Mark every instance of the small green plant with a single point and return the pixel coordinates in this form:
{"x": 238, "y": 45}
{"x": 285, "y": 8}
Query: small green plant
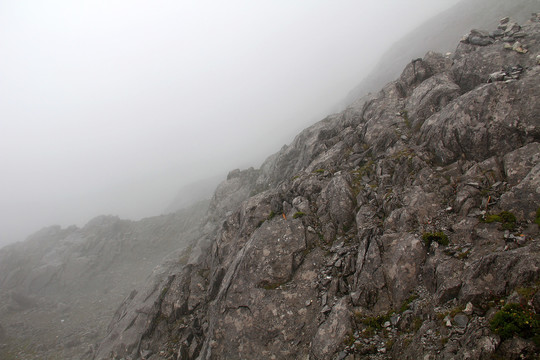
{"x": 515, "y": 319}
{"x": 438, "y": 237}
{"x": 417, "y": 324}
{"x": 406, "y": 304}
{"x": 505, "y": 218}
{"x": 537, "y": 219}
{"x": 405, "y": 115}
{"x": 349, "y": 339}
{"x": 298, "y": 214}
{"x": 373, "y": 323}
{"x": 464, "y": 255}
{"x": 271, "y": 215}
{"x": 319, "y": 171}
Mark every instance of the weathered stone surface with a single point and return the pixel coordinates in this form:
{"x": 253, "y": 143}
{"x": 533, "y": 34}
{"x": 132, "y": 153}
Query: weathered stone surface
{"x": 329, "y": 238}
{"x": 331, "y": 333}
{"x": 368, "y": 236}
{"x": 491, "y": 119}
{"x": 429, "y": 97}
{"x": 336, "y": 207}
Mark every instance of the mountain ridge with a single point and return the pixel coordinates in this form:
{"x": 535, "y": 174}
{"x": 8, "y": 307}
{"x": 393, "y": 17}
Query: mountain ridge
{"x": 390, "y": 230}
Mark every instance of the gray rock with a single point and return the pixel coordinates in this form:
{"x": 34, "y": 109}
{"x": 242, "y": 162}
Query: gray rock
{"x": 330, "y": 335}
{"x": 461, "y": 320}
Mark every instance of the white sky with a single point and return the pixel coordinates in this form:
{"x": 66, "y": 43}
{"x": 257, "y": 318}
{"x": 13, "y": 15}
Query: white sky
{"x": 109, "y": 107}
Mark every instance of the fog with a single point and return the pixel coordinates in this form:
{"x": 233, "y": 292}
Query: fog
{"x": 110, "y": 107}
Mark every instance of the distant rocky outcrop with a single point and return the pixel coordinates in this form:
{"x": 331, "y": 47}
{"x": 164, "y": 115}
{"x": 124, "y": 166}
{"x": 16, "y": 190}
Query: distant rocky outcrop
{"x": 404, "y": 227}
{"x": 440, "y": 34}
{"x": 60, "y": 287}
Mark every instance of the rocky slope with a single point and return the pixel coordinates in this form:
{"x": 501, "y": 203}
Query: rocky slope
{"x": 440, "y": 34}
{"x": 60, "y": 287}
{"x": 397, "y": 229}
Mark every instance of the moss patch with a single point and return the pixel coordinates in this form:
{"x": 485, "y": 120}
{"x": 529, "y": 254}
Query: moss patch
{"x": 505, "y": 218}
{"x": 438, "y": 237}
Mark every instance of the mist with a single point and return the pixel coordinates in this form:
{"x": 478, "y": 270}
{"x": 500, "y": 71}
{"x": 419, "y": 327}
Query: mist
{"x": 110, "y": 107}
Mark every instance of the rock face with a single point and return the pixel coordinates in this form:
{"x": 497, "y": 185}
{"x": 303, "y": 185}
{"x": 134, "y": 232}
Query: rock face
{"x": 393, "y": 230}
{"x": 61, "y": 286}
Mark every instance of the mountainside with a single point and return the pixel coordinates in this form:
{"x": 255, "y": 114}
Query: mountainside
{"x": 398, "y": 229}
{"x": 440, "y": 34}
{"x": 59, "y": 288}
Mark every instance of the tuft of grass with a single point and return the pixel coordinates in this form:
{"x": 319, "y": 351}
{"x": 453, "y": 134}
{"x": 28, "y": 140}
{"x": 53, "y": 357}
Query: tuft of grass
{"x": 438, "y": 237}
{"x": 406, "y": 304}
{"x": 349, "y": 339}
{"x": 298, "y": 214}
{"x": 271, "y": 215}
{"x": 319, "y": 171}
{"x": 537, "y": 219}
{"x": 417, "y": 324}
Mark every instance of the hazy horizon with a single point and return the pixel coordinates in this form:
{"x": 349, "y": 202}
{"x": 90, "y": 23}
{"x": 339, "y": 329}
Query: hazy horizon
{"x": 112, "y": 107}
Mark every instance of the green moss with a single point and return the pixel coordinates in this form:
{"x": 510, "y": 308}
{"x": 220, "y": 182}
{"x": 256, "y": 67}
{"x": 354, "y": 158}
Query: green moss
{"x": 505, "y": 218}
{"x": 298, "y": 214}
{"x": 537, "y": 219}
{"x": 515, "y": 319}
{"x": 271, "y": 215}
{"x": 319, "y": 171}
{"x": 417, "y": 324}
{"x": 438, "y": 237}
{"x": 527, "y": 293}
{"x": 373, "y": 323}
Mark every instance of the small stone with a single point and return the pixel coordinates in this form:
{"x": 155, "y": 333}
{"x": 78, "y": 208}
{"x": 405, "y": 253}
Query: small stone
{"x": 447, "y": 322}
{"x": 326, "y": 309}
{"x": 146, "y": 353}
{"x": 518, "y": 47}
{"x": 497, "y": 33}
{"x": 387, "y": 324}
{"x": 504, "y": 20}
{"x": 480, "y": 41}
{"x": 461, "y": 320}
{"x": 324, "y": 299}
{"x": 520, "y": 240}
{"x": 520, "y": 34}
{"x": 538, "y": 59}
{"x": 468, "y": 309}
{"x": 308, "y": 302}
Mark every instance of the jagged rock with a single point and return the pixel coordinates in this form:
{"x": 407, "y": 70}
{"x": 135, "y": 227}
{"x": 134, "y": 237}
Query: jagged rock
{"x": 429, "y": 97}
{"x": 308, "y": 256}
{"x": 517, "y": 348}
{"x": 491, "y": 119}
{"x": 336, "y": 207}
{"x": 332, "y": 332}
{"x": 332, "y": 225}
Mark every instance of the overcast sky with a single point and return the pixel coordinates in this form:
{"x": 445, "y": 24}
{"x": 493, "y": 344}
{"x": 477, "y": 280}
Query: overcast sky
{"x": 109, "y": 107}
